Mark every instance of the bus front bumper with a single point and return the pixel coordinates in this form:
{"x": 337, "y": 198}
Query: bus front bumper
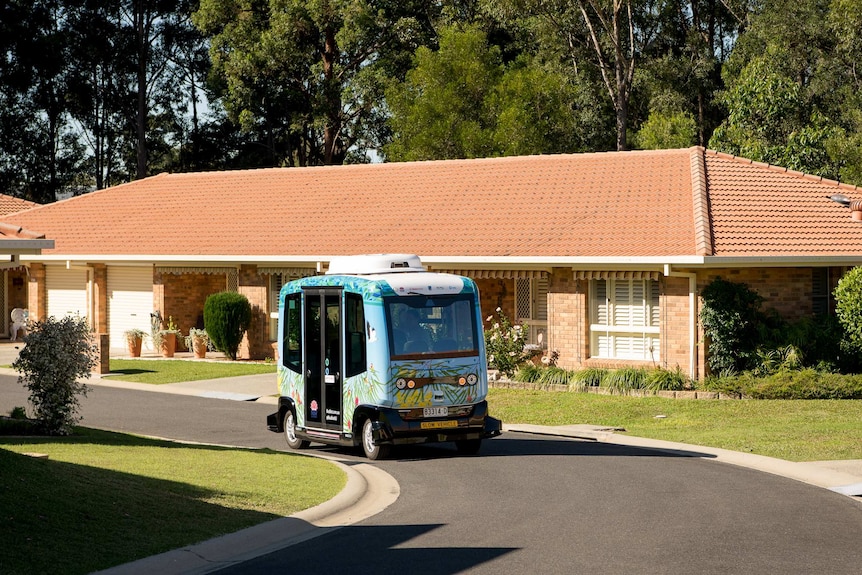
{"x": 391, "y": 428}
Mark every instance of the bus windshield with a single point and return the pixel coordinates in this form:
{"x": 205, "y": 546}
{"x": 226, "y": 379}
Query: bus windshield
{"x": 443, "y": 326}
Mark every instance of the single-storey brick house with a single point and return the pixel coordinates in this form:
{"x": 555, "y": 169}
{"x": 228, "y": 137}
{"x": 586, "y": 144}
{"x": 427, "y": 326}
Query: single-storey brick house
{"x": 603, "y": 254}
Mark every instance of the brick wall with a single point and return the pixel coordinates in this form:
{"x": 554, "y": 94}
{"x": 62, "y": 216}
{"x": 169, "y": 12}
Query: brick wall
{"x": 493, "y": 294}
{"x": 182, "y": 297}
{"x": 254, "y": 286}
{"x": 786, "y": 290}
{"x": 676, "y": 324}
{"x": 568, "y": 324}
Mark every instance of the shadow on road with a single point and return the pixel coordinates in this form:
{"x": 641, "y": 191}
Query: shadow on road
{"x": 520, "y": 444}
{"x": 374, "y": 549}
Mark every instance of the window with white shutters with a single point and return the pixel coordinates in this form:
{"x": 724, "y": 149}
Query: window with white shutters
{"x": 625, "y": 319}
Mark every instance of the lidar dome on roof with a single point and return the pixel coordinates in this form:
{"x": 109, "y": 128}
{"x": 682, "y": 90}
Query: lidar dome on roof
{"x": 375, "y": 264}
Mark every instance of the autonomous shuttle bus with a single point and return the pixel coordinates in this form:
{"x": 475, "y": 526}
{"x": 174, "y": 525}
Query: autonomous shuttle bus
{"x": 379, "y": 352}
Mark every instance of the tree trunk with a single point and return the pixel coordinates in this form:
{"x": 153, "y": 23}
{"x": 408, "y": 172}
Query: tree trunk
{"x": 142, "y": 32}
{"x": 332, "y": 96}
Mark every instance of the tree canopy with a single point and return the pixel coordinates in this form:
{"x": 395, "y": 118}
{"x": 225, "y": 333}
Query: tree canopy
{"x": 93, "y": 94}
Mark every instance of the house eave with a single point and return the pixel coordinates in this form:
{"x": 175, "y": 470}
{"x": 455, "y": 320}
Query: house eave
{"x": 22, "y": 247}
{"x": 319, "y": 261}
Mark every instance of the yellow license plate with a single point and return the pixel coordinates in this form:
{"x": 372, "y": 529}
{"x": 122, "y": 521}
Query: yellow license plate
{"x": 438, "y": 424}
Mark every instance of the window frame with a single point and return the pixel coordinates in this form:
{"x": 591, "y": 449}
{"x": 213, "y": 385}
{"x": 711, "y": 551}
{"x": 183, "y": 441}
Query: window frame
{"x": 621, "y": 335}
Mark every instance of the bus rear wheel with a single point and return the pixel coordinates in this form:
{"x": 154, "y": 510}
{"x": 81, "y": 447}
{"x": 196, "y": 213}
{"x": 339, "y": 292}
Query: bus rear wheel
{"x": 372, "y": 452}
{"x": 293, "y": 441}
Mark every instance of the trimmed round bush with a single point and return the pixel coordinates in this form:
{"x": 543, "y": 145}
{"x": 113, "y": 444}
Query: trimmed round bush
{"x": 227, "y": 316}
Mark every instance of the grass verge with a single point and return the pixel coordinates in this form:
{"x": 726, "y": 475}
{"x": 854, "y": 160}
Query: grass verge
{"x": 102, "y": 499}
{"x": 161, "y": 371}
{"x": 795, "y": 430}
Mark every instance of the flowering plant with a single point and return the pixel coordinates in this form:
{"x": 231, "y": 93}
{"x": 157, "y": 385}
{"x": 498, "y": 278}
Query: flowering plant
{"x": 505, "y": 344}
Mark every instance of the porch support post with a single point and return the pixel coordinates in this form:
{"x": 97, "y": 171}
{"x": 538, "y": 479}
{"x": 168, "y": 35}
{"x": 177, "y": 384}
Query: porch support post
{"x": 37, "y": 294}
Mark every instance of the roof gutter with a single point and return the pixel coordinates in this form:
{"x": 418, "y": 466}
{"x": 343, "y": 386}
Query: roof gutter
{"x": 473, "y": 262}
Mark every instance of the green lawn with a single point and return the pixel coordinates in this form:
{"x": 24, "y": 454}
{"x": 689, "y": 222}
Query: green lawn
{"x": 138, "y": 497}
{"x": 160, "y": 371}
{"x": 795, "y": 430}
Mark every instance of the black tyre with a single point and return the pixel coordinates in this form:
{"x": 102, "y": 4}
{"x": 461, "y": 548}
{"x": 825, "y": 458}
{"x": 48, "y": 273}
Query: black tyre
{"x": 468, "y": 446}
{"x": 290, "y": 432}
{"x": 372, "y": 452}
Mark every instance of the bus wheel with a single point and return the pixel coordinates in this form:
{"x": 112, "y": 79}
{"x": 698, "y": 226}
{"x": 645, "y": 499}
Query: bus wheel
{"x": 290, "y": 432}
{"x": 468, "y": 446}
{"x": 372, "y": 452}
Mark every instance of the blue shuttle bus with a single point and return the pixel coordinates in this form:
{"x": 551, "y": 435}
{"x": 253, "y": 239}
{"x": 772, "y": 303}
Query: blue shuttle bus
{"x": 379, "y": 352}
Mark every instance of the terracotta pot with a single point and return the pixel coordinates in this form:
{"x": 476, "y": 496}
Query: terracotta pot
{"x": 135, "y": 347}
{"x": 199, "y": 346}
{"x": 169, "y": 344}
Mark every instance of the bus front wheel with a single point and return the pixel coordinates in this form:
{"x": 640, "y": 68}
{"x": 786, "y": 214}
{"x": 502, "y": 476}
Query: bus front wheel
{"x": 290, "y": 432}
{"x": 372, "y": 452}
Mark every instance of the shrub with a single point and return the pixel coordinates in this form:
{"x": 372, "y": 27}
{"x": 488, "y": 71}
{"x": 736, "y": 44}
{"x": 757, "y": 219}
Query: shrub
{"x": 55, "y": 355}
{"x": 731, "y": 317}
{"x": 589, "y": 377}
{"x": 806, "y": 384}
{"x": 504, "y": 344}
{"x": 554, "y": 376}
{"x": 666, "y": 380}
{"x": 227, "y": 316}
{"x": 528, "y": 373}
{"x": 781, "y": 359}
{"x": 730, "y": 385}
{"x": 624, "y": 380}
{"x": 848, "y": 307}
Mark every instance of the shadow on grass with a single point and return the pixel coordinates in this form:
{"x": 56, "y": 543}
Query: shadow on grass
{"x": 129, "y": 372}
{"x": 66, "y": 518}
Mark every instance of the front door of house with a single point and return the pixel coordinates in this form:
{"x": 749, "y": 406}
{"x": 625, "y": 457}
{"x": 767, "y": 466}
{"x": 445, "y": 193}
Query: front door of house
{"x": 323, "y": 353}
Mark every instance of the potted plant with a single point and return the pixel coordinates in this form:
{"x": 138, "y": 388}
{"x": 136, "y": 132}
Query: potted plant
{"x": 134, "y": 340}
{"x": 168, "y": 338}
{"x": 198, "y": 341}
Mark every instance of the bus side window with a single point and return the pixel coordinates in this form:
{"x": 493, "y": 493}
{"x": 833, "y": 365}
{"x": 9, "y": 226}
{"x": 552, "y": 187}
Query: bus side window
{"x": 355, "y": 327}
{"x": 292, "y": 333}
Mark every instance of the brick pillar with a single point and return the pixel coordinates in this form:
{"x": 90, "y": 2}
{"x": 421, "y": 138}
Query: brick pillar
{"x": 103, "y": 346}
{"x": 37, "y": 294}
{"x": 100, "y": 298}
{"x": 254, "y": 286}
{"x": 568, "y": 325}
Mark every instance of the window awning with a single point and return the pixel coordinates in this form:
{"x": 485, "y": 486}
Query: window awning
{"x": 496, "y": 274}
{"x": 288, "y": 272}
{"x": 178, "y": 271}
{"x": 616, "y": 275}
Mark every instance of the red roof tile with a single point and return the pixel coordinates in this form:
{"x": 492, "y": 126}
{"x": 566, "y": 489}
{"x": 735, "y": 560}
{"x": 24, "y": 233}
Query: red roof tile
{"x": 760, "y": 210}
{"x": 11, "y": 205}
{"x": 616, "y": 204}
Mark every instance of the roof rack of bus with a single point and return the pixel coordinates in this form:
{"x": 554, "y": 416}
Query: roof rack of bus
{"x": 374, "y": 264}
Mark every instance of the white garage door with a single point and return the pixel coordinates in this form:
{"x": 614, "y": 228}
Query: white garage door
{"x": 67, "y": 292}
{"x": 130, "y": 301}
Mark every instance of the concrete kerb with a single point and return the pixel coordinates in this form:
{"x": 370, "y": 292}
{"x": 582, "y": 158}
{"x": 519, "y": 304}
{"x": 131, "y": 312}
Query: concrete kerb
{"x": 813, "y": 474}
{"x": 369, "y": 490}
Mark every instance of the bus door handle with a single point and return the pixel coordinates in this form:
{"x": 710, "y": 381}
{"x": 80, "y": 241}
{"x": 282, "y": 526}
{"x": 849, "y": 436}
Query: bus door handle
{"x": 308, "y": 374}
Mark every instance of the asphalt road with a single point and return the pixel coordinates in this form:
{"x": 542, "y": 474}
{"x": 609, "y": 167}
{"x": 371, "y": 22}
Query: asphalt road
{"x": 531, "y": 504}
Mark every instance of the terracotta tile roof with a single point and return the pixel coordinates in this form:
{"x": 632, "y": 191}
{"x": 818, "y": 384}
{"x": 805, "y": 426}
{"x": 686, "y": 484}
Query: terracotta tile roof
{"x": 13, "y": 232}
{"x": 762, "y": 210}
{"x": 615, "y": 204}
{"x": 11, "y": 205}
